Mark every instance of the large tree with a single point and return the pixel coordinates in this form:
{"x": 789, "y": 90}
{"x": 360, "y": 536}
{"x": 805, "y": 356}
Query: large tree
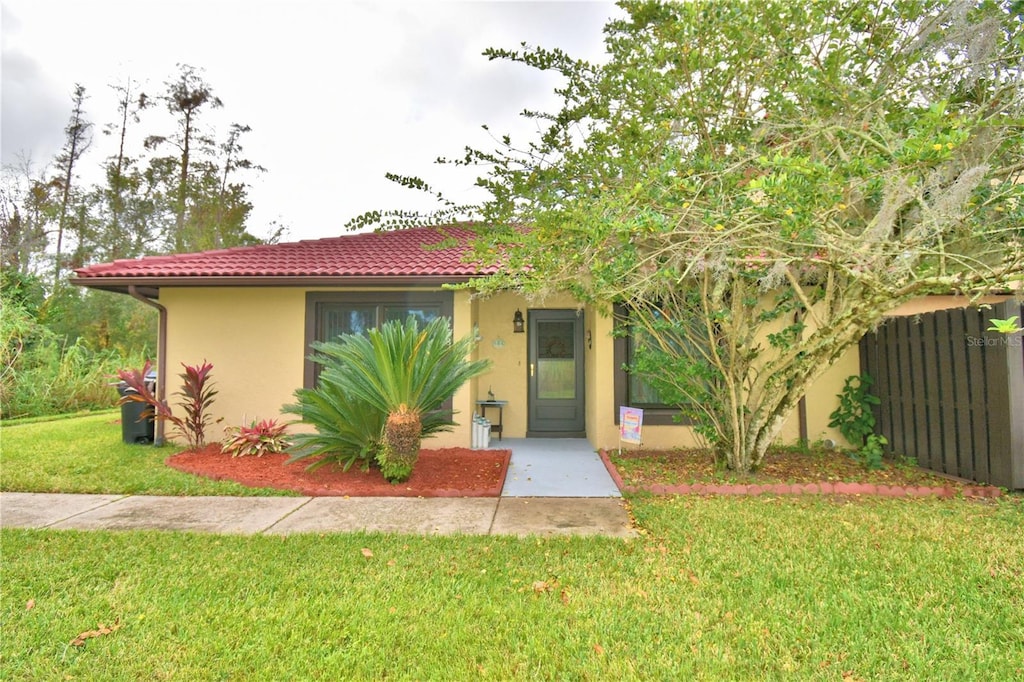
{"x": 209, "y": 203}
{"x": 219, "y": 204}
{"x": 759, "y": 183}
{"x": 127, "y": 212}
{"x": 24, "y": 198}
{"x": 77, "y": 138}
{"x": 186, "y": 98}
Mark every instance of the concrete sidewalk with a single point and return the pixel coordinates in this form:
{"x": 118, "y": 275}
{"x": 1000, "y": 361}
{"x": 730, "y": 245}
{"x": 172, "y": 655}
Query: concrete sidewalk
{"x": 541, "y": 516}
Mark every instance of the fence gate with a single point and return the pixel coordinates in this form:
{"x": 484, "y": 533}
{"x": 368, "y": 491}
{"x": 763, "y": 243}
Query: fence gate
{"x": 952, "y": 392}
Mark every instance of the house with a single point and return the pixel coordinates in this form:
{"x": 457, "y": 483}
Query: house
{"x": 254, "y": 311}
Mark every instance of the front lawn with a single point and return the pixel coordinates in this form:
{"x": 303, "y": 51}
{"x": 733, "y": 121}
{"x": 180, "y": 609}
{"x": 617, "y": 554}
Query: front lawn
{"x": 717, "y": 588}
{"x": 86, "y": 455}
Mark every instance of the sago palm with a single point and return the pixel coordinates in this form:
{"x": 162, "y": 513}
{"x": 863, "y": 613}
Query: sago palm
{"x": 347, "y": 430}
{"x": 406, "y": 374}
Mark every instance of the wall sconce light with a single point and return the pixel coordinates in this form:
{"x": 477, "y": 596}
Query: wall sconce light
{"x": 589, "y": 339}
{"x": 517, "y": 322}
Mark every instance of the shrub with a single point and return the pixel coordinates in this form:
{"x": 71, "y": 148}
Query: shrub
{"x": 18, "y": 333}
{"x": 380, "y": 394}
{"x": 41, "y": 374}
{"x": 854, "y": 417}
{"x": 856, "y": 421}
{"x": 347, "y": 430}
{"x": 870, "y": 454}
{"x": 196, "y": 391}
{"x": 46, "y": 369}
{"x": 256, "y": 439}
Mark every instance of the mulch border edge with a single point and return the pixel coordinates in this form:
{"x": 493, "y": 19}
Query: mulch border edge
{"x": 827, "y": 488}
{"x": 494, "y": 491}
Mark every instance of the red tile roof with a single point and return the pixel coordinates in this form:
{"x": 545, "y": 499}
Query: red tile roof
{"x": 399, "y": 253}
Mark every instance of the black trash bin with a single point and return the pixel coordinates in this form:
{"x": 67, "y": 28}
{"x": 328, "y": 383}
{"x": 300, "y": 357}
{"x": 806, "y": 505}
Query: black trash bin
{"x": 135, "y": 429}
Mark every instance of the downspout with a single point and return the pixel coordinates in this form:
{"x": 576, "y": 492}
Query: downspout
{"x": 801, "y": 406}
{"x": 161, "y": 357}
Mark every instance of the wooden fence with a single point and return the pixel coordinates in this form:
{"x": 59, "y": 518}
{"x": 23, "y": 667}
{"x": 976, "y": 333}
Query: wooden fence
{"x": 952, "y": 392}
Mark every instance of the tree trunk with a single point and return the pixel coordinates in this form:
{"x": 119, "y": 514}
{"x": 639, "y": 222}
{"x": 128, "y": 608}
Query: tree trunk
{"x": 763, "y": 417}
{"x": 117, "y": 182}
{"x": 179, "y": 217}
{"x": 744, "y": 455}
{"x": 75, "y": 145}
{"x": 401, "y": 446}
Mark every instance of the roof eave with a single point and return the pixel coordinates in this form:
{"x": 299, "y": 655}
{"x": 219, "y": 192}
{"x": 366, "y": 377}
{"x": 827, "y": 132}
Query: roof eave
{"x": 150, "y": 286}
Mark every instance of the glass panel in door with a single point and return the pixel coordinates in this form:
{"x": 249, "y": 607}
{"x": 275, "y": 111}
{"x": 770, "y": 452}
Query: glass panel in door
{"x": 556, "y": 360}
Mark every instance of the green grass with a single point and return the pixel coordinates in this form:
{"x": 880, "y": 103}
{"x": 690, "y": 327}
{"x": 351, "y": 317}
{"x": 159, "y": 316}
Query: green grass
{"x": 717, "y": 588}
{"x": 86, "y": 455}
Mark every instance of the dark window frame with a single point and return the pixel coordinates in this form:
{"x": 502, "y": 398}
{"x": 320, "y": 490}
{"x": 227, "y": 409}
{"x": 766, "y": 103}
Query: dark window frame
{"x": 316, "y": 299}
{"x": 653, "y": 415}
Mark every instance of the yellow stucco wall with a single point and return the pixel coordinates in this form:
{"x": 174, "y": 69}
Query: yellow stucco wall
{"x": 507, "y": 352}
{"x": 822, "y": 398}
{"x": 599, "y": 382}
{"x": 463, "y": 323}
{"x": 254, "y": 337}
{"x": 602, "y": 431}
{"x": 929, "y": 304}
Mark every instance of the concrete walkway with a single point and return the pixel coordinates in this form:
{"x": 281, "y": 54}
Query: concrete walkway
{"x": 553, "y": 487}
{"x": 284, "y": 515}
{"x": 555, "y": 467}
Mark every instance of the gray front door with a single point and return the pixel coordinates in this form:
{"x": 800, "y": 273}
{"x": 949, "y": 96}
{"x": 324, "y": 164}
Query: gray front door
{"x": 556, "y": 371}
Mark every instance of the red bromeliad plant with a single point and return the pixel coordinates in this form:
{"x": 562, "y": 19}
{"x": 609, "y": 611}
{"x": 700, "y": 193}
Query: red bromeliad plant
{"x": 198, "y": 397}
{"x": 256, "y": 439}
{"x": 196, "y": 392}
{"x": 136, "y": 381}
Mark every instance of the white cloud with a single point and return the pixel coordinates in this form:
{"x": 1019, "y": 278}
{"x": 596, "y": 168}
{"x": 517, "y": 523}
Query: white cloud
{"x": 336, "y": 93}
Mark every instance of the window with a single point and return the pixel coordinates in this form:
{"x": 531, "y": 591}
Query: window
{"x": 632, "y": 391}
{"x": 638, "y": 392}
{"x": 330, "y": 314}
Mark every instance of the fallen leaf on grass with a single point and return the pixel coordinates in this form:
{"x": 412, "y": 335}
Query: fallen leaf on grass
{"x": 565, "y": 596}
{"x": 540, "y": 586}
{"x": 598, "y": 649}
{"x": 30, "y": 604}
{"x": 100, "y": 630}
{"x": 366, "y": 552}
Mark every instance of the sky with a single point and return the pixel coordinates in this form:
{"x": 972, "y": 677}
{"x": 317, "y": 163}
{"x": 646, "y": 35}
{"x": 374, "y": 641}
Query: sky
{"x": 337, "y": 93}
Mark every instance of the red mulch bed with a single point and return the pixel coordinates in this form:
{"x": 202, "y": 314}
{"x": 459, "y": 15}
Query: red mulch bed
{"x": 449, "y": 472}
{"x": 784, "y": 471}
